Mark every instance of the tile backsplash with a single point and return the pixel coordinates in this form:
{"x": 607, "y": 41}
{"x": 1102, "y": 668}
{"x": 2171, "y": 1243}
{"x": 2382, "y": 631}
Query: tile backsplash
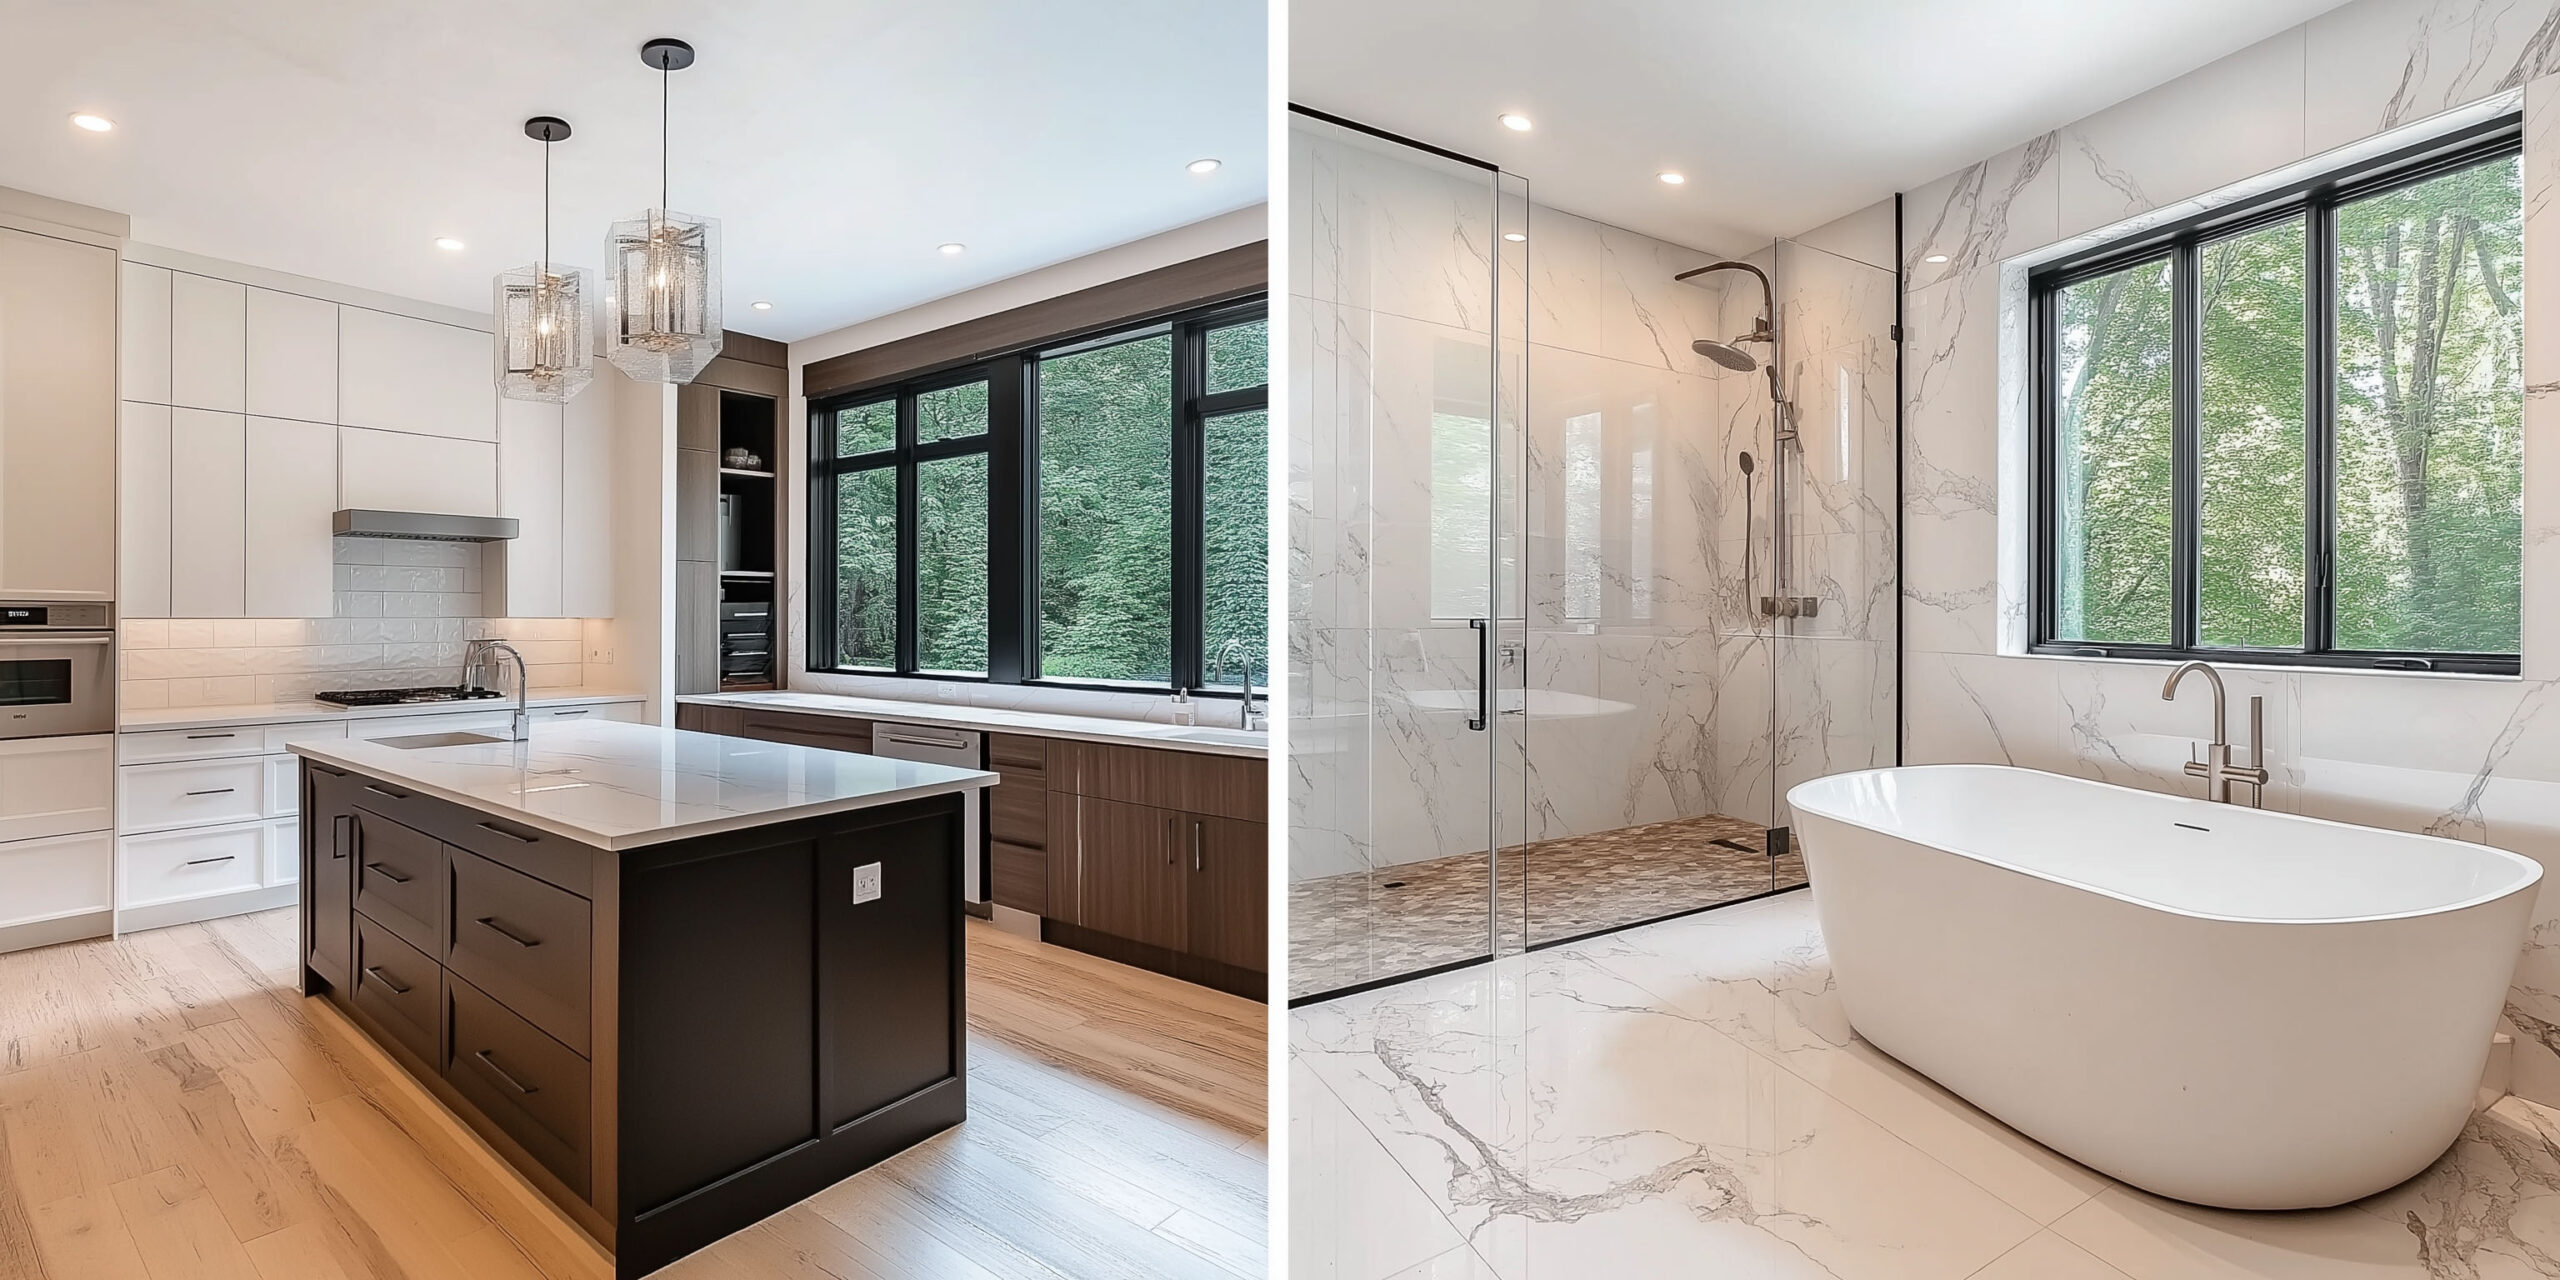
{"x": 405, "y": 611}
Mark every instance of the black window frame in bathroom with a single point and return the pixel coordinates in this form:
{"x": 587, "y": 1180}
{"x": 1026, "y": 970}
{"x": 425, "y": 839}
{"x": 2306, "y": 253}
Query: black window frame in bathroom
{"x": 2315, "y": 200}
{"x": 1011, "y": 444}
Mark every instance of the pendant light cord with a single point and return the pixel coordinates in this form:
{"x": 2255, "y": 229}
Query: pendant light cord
{"x": 664, "y": 74}
{"x": 546, "y": 205}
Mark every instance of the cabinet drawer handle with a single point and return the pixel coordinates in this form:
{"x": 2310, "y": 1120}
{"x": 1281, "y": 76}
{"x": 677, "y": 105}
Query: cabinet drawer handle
{"x": 387, "y": 873}
{"x": 1195, "y": 846}
{"x": 199, "y": 737}
{"x": 202, "y": 862}
{"x": 386, "y": 791}
{"x": 216, "y": 791}
{"x": 341, "y": 830}
{"x": 492, "y": 1063}
{"x": 524, "y": 839}
{"x": 491, "y": 924}
{"x": 387, "y": 980}
{"x": 566, "y": 715}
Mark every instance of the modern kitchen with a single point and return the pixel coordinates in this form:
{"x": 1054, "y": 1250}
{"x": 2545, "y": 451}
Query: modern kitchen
{"x": 737, "y": 750}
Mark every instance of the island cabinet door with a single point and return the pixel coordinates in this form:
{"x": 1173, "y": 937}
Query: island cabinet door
{"x": 888, "y": 965}
{"x": 1133, "y": 872}
{"x": 328, "y": 872}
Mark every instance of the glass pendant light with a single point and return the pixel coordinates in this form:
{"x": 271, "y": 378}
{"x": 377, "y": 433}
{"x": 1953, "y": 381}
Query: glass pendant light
{"x": 546, "y": 351}
{"x": 666, "y": 268}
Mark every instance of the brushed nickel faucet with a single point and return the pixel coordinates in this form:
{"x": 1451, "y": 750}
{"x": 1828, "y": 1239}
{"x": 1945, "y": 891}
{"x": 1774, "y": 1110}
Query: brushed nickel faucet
{"x": 2216, "y": 767}
{"x": 1243, "y": 657}
{"x": 479, "y": 656}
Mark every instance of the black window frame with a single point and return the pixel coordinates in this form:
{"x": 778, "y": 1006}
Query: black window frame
{"x": 2316, "y": 201}
{"x": 1011, "y": 444}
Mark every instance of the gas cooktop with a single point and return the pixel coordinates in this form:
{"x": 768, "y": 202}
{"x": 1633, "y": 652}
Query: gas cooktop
{"x": 402, "y": 697}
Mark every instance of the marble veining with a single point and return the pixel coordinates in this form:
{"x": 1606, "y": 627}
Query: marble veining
{"x": 621, "y": 786}
{"x": 1687, "y": 1098}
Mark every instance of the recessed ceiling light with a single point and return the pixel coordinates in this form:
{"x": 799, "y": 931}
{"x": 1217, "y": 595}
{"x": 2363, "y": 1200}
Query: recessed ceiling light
{"x": 449, "y": 244}
{"x": 1515, "y": 122}
{"x": 1205, "y": 164}
{"x": 1513, "y": 236}
{"x": 1670, "y": 179}
{"x": 953, "y": 249}
{"x": 1935, "y": 258}
{"x": 94, "y": 124}
{"x": 761, "y": 306}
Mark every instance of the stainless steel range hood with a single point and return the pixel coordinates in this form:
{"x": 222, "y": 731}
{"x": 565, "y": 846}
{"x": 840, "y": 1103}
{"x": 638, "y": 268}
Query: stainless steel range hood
{"x": 421, "y": 526}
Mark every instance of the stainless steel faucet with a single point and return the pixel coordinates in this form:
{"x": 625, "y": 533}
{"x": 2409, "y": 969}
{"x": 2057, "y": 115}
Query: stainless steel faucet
{"x": 1244, "y": 657}
{"x": 476, "y": 657}
{"x": 2216, "y": 767}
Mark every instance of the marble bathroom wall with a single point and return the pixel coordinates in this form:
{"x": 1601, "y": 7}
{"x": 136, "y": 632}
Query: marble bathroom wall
{"x": 2473, "y": 758}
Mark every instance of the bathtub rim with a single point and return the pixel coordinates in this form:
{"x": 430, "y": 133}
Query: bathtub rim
{"x": 2531, "y": 879}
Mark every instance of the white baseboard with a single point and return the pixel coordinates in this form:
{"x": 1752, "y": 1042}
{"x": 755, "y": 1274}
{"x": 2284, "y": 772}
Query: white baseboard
{"x": 45, "y": 933}
{"x": 161, "y": 915}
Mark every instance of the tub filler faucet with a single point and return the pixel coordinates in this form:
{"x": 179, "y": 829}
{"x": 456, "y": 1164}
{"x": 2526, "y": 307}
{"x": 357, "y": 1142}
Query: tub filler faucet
{"x": 2216, "y": 767}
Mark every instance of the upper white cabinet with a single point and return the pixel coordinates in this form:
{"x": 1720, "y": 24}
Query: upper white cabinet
{"x": 142, "y": 494}
{"x": 208, "y": 548}
{"x": 586, "y": 499}
{"x": 208, "y": 334}
{"x": 292, "y": 357}
{"x": 291, "y": 491}
{"x": 396, "y": 471}
{"x": 144, "y": 322}
{"x": 400, "y": 374}
{"x": 529, "y": 491}
{"x": 57, "y": 417}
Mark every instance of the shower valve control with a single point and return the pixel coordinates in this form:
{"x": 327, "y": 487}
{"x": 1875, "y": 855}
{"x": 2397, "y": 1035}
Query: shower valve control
{"x": 1790, "y": 606}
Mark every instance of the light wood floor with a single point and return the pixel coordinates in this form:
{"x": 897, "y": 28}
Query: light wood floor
{"x": 171, "y": 1109}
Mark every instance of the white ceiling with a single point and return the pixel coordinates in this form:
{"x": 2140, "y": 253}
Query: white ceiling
{"x": 1783, "y": 114}
{"x": 838, "y": 142}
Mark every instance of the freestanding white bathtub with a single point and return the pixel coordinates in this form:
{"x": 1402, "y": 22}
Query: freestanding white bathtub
{"x": 2218, "y": 1004}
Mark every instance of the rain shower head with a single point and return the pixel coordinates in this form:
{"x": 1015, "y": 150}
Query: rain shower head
{"x": 1728, "y": 354}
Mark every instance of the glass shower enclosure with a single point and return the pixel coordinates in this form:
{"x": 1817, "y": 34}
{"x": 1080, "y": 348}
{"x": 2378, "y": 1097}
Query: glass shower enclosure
{"x": 1545, "y": 678}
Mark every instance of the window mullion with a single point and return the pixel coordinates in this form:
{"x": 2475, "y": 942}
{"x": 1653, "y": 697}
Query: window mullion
{"x": 2319, "y": 434}
{"x": 907, "y": 516}
{"x": 2187, "y": 501}
{"x": 1190, "y": 623}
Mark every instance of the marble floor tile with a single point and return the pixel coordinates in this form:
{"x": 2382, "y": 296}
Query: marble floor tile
{"x": 1354, "y": 1214}
{"x": 1686, "y": 1099}
{"x": 1568, "y": 1124}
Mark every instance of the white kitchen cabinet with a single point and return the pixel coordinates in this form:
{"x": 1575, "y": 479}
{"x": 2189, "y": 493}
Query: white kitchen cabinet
{"x": 208, "y": 553}
{"x": 191, "y": 793}
{"x": 526, "y": 578}
{"x": 202, "y": 862}
{"x": 144, "y": 321}
{"x": 292, "y": 489}
{"x": 292, "y": 362}
{"x": 58, "y": 877}
{"x": 208, "y": 330}
{"x": 57, "y": 417}
{"x": 142, "y": 488}
{"x": 395, "y": 471}
{"x": 396, "y": 373}
{"x": 55, "y": 786}
{"x": 586, "y": 500}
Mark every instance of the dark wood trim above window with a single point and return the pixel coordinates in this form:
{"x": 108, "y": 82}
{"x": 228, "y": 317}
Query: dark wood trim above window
{"x": 1224, "y": 276}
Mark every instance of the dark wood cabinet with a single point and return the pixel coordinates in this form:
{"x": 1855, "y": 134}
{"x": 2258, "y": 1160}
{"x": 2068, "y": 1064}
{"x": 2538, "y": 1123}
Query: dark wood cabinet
{"x": 673, "y": 1041}
{"x": 834, "y": 733}
{"x": 1229, "y": 894}
{"x": 1132, "y": 878}
{"x": 1157, "y": 858}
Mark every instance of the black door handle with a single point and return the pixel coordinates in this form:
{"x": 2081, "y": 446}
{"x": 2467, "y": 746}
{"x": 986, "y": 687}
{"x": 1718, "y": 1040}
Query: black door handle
{"x": 387, "y": 873}
{"x": 492, "y": 1063}
{"x": 387, "y": 980}
{"x": 1484, "y": 684}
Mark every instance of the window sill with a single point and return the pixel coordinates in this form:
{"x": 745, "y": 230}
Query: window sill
{"x": 2145, "y": 660}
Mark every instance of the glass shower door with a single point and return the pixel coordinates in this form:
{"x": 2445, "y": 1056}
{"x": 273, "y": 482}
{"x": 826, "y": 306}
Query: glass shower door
{"x": 1397, "y": 591}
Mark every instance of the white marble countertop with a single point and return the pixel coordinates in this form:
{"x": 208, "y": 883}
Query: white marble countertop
{"x": 1207, "y": 739}
{"x": 139, "y": 720}
{"x": 620, "y": 786}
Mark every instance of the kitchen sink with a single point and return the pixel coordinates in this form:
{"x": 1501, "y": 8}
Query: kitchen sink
{"x": 421, "y": 741}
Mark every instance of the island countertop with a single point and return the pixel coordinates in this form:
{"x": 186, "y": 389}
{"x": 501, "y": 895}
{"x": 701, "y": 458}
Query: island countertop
{"x": 622, "y": 786}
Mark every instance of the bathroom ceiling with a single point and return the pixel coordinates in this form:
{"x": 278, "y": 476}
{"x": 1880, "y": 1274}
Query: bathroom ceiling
{"x": 839, "y": 144}
{"x": 1781, "y": 114}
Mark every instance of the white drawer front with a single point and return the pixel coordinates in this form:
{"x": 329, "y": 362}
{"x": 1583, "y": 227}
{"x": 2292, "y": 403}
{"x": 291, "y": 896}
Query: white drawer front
{"x": 193, "y": 794}
{"x": 277, "y": 737}
{"x": 284, "y": 851}
{"x": 284, "y": 785}
{"x": 192, "y": 864}
{"x": 190, "y": 744}
{"x": 451, "y": 722}
{"x": 57, "y": 877}
{"x": 628, "y": 712}
{"x": 55, "y": 787}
